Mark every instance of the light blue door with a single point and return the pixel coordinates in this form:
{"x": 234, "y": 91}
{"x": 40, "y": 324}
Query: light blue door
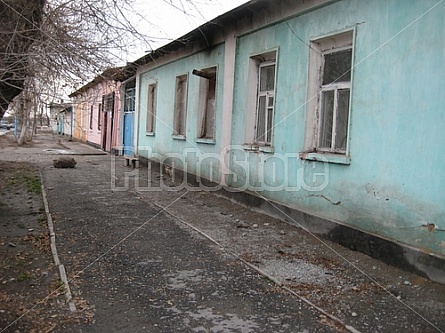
{"x": 129, "y": 133}
{"x": 129, "y": 108}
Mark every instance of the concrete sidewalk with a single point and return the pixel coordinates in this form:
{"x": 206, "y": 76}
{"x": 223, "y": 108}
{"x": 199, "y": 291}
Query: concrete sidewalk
{"x": 140, "y": 260}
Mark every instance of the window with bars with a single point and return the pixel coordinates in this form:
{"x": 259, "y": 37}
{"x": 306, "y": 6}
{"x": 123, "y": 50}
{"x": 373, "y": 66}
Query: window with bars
{"x": 180, "y": 106}
{"x": 108, "y": 102}
{"x": 151, "y": 108}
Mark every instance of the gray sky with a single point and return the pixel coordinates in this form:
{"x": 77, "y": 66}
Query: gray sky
{"x": 165, "y": 20}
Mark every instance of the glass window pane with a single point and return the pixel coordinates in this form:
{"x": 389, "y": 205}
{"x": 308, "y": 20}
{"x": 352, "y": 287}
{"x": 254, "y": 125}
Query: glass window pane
{"x": 337, "y": 67}
{"x": 269, "y": 125}
{"x": 210, "y": 110}
{"x": 267, "y": 78}
{"x": 129, "y": 100}
{"x": 341, "y": 119}
{"x": 326, "y": 119}
{"x": 269, "y": 119}
{"x": 260, "y": 130}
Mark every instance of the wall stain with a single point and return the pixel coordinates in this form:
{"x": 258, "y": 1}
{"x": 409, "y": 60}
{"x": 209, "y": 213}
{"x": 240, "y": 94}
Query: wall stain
{"x": 327, "y": 199}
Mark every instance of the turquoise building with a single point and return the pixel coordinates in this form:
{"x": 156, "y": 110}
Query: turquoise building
{"x": 328, "y": 114}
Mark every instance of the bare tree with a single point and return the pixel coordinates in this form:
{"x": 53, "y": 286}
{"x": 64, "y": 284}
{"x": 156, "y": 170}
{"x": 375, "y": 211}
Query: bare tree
{"x": 19, "y": 26}
{"x": 57, "y": 41}
{"x": 48, "y": 45}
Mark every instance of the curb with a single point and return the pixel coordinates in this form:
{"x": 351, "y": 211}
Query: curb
{"x": 62, "y": 271}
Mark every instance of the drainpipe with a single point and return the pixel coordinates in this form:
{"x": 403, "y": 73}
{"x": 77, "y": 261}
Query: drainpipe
{"x": 72, "y": 122}
{"x": 136, "y": 117}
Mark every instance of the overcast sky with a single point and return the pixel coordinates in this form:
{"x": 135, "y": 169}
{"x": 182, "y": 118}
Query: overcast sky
{"x": 165, "y": 20}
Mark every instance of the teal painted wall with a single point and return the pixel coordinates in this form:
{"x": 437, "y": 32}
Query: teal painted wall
{"x": 395, "y": 182}
{"x": 162, "y": 144}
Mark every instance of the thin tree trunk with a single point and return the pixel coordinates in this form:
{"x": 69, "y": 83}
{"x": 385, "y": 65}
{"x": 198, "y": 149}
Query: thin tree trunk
{"x": 41, "y": 116}
{"x": 24, "y": 115}
{"x": 34, "y": 127}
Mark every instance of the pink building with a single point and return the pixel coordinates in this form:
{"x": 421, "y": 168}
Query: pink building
{"x": 96, "y": 108}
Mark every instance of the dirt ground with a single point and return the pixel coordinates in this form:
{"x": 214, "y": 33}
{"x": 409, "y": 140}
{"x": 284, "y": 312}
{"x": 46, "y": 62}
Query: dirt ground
{"x": 31, "y": 297}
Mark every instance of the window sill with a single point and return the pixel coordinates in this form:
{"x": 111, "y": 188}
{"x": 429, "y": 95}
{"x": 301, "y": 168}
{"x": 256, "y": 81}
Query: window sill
{"x": 255, "y": 147}
{"x": 149, "y": 133}
{"x": 326, "y": 157}
{"x": 206, "y": 141}
{"x": 178, "y": 137}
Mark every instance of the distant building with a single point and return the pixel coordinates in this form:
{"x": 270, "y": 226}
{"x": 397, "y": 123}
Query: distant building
{"x": 61, "y": 118}
{"x": 97, "y": 111}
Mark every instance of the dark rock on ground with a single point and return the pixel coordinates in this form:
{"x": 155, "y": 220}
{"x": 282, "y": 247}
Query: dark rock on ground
{"x": 64, "y": 162}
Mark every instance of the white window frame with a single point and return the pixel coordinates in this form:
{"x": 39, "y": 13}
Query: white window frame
{"x": 335, "y": 87}
{"x": 319, "y": 49}
{"x": 180, "y": 111}
{"x": 151, "y": 108}
{"x": 268, "y": 94}
{"x": 130, "y": 100}
{"x": 256, "y": 62}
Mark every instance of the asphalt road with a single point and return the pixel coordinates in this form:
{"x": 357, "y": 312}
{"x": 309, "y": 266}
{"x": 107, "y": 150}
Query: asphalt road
{"x": 143, "y": 272}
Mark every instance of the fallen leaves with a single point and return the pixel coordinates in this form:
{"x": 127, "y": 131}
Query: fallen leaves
{"x": 41, "y": 241}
